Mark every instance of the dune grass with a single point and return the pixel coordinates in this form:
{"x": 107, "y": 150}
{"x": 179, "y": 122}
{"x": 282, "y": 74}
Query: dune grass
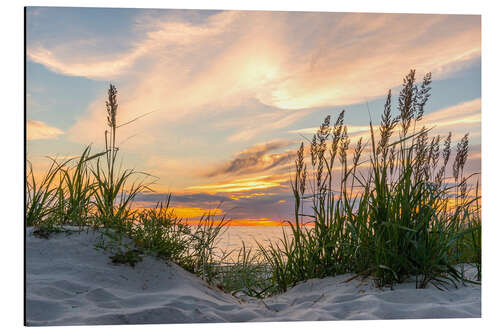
{"x": 41, "y": 197}
{"x": 392, "y": 208}
{"x": 395, "y": 216}
{"x": 249, "y": 274}
{"x": 93, "y": 191}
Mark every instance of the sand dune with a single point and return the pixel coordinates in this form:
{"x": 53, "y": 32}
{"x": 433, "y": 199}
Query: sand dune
{"x": 69, "y": 282}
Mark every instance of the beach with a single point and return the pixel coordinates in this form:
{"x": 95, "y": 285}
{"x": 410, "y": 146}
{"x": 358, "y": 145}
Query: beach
{"x": 70, "y": 282}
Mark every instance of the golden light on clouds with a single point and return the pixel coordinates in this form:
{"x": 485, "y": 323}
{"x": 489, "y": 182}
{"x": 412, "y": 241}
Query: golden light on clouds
{"x": 258, "y": 222}
{"x": 99, "y": 69}
{"x": 182, "y": 211}
{"x": 241, "y": 185}
{"x": 193, "y": 212}
{"x": 283, "y": 59}
{"x": 38, "y": 130}
{"x": 238, "y": 196}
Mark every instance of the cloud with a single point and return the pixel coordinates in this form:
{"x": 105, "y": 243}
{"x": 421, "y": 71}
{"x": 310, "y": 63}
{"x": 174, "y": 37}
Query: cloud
{"x": 99, "y": 69}
{"x": 194, "y": 198}
{"x": 283, "y": 59}
{"x": 460, "y": 118}
{"x": 248, "y": 208}
{"x": 86, "y": 57}
{"x": 361, "y": 55}
{"x": 255, "y": 159}
{"x": 269, "y": 122}
{"x": 38, "y": 130}
{"x": 259, "y": 222}
{"x": 464, "y": 114}
{"x": 353, "y": 129}
{"x": 243, "y": 184}
{"x": 175, "y": 173}
{"x": 187, "y": 214}
{"x": 277, "y": 207}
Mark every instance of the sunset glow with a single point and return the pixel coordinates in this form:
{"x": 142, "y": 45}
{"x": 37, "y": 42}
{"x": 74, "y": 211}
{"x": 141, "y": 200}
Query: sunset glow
{"x": 240, "y": 185}
{"x": 222, "y": 99}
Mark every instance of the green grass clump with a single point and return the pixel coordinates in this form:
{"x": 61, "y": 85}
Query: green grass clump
{"x": 394, "y": 216}
{"x": 159, "y": 232}
{"x": 45, "y": 231}
{"x": 203, "y": 258}
{"x": 63, "y": 196}
{"x": 41, "y": 198}
{"x": 130, "y": 257}
{"x": 113, "y": 194}
{"x": 248, "y": 274}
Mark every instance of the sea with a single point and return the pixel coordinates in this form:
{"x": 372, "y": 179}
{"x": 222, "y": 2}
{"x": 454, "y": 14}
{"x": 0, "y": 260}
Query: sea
{"x": 231, "y": 241}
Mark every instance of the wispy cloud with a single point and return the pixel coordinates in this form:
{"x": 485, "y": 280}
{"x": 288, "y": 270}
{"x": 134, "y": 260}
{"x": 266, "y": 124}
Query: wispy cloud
{"x": 259, "y": 222}
{"x": 285, "y": 60}
{"x": 353, "y": 129}
{"x": 465, "y": 114}
{"x": 85, "y": 57}
{"x": 100, "y": 69}
{"x": 185, "y": 199}
{"x": 252, "y": 126}
{"x": 38, "y": 130}
{"x": 255, "y": 159}
{"x": 243, "y": 184}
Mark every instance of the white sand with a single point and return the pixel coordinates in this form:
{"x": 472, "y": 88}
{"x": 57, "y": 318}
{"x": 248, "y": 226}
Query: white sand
{"x": 71, "y": 283}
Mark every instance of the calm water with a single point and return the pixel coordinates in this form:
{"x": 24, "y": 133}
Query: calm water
{"x": 234, "y": 235}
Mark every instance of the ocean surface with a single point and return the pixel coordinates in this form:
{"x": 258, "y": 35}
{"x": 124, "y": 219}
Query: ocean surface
{"x": 232, "y": 238}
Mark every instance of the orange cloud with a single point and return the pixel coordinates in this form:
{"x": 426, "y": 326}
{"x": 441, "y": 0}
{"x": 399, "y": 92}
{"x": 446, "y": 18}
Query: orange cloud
{"x": 182, "y": 211}
{"x": 260, "y": 222}
{"x": 242, "y": 185}
{"x": 256, "y": 159}
{"x": 238, "y": 196}
{"x": 193, "y": 212}
{"x": 38, "y": 130}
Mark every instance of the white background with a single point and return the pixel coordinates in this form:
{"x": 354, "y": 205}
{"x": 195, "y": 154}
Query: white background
{"x": 12, "y": 159}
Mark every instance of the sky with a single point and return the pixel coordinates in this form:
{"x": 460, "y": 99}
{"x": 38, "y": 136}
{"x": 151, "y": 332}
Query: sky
{"x": 231, "y": 94}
